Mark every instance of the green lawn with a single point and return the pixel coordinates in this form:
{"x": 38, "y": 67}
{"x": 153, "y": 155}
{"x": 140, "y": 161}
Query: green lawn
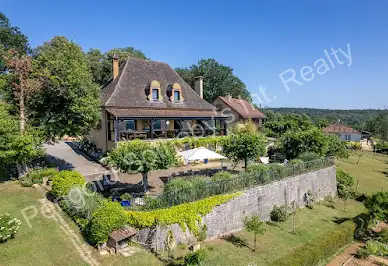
{"x": 45, "y": 243}
{"x": 371, "y": 171}
{"x": 278, "y": 240}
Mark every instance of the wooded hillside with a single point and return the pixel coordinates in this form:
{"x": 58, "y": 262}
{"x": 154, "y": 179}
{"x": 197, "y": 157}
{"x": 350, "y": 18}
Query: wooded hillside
{"x": 355, "y": 118}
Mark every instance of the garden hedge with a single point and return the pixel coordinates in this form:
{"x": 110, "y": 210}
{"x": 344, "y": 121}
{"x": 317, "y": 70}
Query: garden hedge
{"x": 109, "y": 217}
{"x": 64, "y": 181}
{"x": 324, "y": 246}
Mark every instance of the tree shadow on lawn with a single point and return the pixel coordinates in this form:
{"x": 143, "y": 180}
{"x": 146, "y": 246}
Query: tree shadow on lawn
{"x": 236, "y": 241}
{"x": 382, "y": 172}
{"x": 362, "y": 221}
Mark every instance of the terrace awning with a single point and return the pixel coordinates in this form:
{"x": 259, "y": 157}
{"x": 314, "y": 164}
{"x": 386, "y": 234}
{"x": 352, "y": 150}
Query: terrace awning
{"x": 200, "y": 153}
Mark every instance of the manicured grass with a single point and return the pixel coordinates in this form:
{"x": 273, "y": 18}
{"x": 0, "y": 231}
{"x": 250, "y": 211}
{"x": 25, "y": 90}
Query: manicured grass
{"x": 142, "y": 257}
{"x": 45, "y": 243}
{"x": 371, "y": 171}
{"x": 278, "y": 240}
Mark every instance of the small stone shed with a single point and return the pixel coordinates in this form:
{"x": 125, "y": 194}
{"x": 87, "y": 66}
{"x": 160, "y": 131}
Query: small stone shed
{"x": 119, "y": 238}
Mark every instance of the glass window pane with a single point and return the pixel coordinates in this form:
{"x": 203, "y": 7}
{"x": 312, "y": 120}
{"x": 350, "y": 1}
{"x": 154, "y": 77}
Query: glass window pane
{"x": 155, "y": 94}
{"x": 157, "y": 124}
{"x": 177, "y": 96}
{"x": 130, "y": 125}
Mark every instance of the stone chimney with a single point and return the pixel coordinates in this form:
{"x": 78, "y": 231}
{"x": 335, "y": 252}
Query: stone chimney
{"x": 228, "y": 97}
{"x": 115, "y": 66}
{"x": 199, "y": 86}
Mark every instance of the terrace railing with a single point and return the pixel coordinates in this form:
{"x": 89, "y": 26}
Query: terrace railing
{"x": 205, "y": 188}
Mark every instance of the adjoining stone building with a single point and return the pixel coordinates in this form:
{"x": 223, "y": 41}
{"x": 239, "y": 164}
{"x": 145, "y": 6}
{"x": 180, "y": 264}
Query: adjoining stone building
{"x": 238, "y": 110}
{"x": 147, "y": 100}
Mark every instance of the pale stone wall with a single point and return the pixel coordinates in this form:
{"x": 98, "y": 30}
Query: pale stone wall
{"x": 260, "y": 200}
{"x": 99, "y": 136}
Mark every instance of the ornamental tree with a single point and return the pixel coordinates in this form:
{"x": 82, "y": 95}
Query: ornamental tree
{"x": 254, "y": 225}
{"x": 244, "y": 146}
{"x": 23, "y": 84}
{"x": 141, "y": 157}
{"x": 293, "y": 143}
{"x": 69, "y": 101}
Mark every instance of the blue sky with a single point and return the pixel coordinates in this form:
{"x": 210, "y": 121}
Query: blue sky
{"x": 259, "y": 39}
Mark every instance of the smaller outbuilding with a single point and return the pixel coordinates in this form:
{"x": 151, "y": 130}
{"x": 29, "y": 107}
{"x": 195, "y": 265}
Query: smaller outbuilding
{"x": 119, "y": 238}
{"x": 343, "y": 132}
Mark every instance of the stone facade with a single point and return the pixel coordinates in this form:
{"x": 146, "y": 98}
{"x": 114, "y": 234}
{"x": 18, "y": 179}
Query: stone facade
{"x": 229, "y": 216}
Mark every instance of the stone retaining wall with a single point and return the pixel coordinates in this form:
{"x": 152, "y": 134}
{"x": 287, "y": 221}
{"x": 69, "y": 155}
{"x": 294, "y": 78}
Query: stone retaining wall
{"x": 260, "y": 200}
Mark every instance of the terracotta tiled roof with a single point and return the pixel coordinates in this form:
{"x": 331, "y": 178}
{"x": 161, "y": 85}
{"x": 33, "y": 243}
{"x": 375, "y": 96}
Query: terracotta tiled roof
{"x": 139, "y": 112}
{"x": 339, "y": 128}
{"x": 128, "y": 90}
{"x": 242, "y": 107}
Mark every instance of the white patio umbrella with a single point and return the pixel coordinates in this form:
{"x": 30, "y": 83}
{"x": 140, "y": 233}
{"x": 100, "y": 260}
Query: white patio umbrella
{"x": 200, "y": 153}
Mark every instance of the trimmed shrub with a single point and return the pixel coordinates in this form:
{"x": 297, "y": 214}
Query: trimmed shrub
{"x": 377, "y": 205}
{"x": 195, "y": 258}
{"x": 36, "y": 176}
{"x": 107, "y": 218}
{"x": 80, "y": 204}
{"x": 373, "y": 248}
{"x": 257, "y": 167}
{"x": 126, "y": 196}
{"x": 308, "y": 156}
{"x": 345, "y": 184}
{"x": 180, "y": 190}
{"x": 8, "y": 227}
{"x": 383, "y": 235}
{"x": 278, "y": 170}
{"x": 353, "y": 145}
{"x": 64, "y": 181}
{"x": 295, "y": 162}
{"x": 279, "y": 214}
{"x": 222, "y": 175}
{"x": 322, "y": 247}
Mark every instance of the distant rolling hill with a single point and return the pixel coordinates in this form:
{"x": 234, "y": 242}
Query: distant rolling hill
{"x": 356, "y": 118}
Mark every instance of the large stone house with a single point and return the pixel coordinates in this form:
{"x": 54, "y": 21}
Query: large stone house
{"x": 238, "y": 110}
{"x": 343, "y": 132}
{"x": 147, "y": 100}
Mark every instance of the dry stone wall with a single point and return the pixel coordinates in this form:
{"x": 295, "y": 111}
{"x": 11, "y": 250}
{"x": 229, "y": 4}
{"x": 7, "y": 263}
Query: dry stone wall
{"x": 229, "y": 216}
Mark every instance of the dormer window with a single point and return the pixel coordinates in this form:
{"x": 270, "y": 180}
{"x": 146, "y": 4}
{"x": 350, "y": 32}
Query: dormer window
{"x": 177, "y": 96}
{"x": 176, "y": 93}
{"x": 154, "y": 91}
{"x": 155, "y": 94}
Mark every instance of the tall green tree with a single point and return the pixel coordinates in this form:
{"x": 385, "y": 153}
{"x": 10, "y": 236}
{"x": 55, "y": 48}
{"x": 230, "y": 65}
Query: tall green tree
{"x": 219, "y": 80}
{"x": 16, "y": 147}
{"x": 381, "y": 126}
{"x": 245, "y": 146}
{"x": 294, "y": 143}
{"x": 68, "y": 103}
{"x": 11, "y": 38}
{"x": 100, "y": 64}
